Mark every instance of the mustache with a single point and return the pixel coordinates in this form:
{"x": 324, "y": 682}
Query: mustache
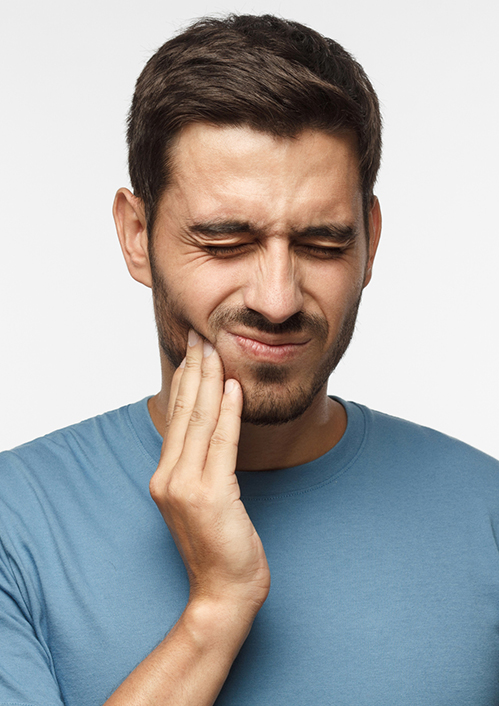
{"x": 297, "y": 323}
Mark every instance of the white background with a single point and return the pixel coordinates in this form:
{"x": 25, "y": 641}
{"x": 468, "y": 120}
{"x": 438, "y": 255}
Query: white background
{"x": 77, "y": 334}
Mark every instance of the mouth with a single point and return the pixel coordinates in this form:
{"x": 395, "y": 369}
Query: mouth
{"x": 269, "y": 348}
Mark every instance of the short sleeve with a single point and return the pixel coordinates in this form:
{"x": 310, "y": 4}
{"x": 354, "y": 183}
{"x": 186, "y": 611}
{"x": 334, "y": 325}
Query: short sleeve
{"x": 27, "y": 676}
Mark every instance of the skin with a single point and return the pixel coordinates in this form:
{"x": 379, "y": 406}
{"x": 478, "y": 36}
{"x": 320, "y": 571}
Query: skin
{"x": 279, "y": 186}
{"x": 302, "y": 287}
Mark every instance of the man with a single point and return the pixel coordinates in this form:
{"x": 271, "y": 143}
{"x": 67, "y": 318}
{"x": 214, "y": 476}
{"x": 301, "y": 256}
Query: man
{"x": 254, "y": 147}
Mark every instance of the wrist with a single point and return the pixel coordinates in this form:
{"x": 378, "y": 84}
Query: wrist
{"x": 222, "y": 622}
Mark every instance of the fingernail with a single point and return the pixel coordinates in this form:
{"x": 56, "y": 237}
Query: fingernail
{"x": 207, "y": 349}
{"x": 192, "y": 338}
{"x": 229, "y": 386}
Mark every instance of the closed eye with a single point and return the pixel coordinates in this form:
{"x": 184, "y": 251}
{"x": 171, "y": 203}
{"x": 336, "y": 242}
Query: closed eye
{"x": 312, "y": 250}
{"x": 225, "y": 250}
{"x": 322, "y": 252}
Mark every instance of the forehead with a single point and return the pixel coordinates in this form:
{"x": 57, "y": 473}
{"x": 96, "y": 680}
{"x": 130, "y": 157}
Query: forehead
{"x": 238, "y": 172}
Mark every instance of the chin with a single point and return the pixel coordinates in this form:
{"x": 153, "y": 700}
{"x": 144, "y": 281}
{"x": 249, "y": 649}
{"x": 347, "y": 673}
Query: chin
{"x": 277, "y": 402}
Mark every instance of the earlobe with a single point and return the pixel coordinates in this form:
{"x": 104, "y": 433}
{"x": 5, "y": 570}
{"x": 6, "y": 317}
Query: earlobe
{"x": 374, "y": 236}
{"x": 130, "y": 221}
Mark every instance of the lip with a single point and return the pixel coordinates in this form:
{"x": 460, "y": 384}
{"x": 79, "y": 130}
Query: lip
{"x": 271, "y": 349}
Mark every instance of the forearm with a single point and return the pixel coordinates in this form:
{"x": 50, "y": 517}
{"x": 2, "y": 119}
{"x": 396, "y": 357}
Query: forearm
{"x": 190, "y": 666}
{"x": 196, "y": 491}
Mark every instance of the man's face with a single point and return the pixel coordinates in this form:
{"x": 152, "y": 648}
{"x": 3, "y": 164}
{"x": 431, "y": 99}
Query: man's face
{"x": 260, "y": 246}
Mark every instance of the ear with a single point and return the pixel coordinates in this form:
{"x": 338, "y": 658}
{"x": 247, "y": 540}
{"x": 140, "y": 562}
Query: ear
{"x": 130, "y": 221}
{"x": 374, "y": 236}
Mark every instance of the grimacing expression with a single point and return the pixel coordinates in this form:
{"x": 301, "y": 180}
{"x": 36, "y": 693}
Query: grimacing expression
{"x": 260, "y": 246}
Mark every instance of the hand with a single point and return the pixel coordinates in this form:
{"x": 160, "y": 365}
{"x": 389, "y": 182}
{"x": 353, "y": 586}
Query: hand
{"x": 196, "y": 489}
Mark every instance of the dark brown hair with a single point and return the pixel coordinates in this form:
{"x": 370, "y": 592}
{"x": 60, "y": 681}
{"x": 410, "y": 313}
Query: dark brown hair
{"x": 268, "y": 73}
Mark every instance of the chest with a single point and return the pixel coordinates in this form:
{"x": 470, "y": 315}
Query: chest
{"x": 366, "y": 607}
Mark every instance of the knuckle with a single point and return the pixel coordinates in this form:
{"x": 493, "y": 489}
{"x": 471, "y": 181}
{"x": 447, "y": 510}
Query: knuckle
{"x": 199, "y": 418}
{"x": 156, "y": 489}
{"x": 174, "y": 493}
{"x": 220, "y": 438}
{"x": 230, "y": 408}
{"x": 181, "y": 498}
{"x": 170, "y": 493}
{"x": 166, "y": 491}
{"x": 209, "y": 373}
{"x": 181, "y": 407}
{"x": 191, "y": 363}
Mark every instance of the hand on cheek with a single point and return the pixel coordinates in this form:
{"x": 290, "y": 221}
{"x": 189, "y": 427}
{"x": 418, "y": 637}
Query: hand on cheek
{"x": 196, "y": 489}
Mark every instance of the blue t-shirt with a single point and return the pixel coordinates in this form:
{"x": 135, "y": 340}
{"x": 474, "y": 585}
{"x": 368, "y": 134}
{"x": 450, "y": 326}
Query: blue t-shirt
{"x": 383, "y": 556}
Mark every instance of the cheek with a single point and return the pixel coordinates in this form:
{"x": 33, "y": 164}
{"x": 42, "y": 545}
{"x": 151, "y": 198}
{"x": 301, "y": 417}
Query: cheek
{"x": 336, "y": 290}
{"x": 202, "y": 288}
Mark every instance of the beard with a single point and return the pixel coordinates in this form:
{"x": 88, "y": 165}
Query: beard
{"x": 271, "y": 397}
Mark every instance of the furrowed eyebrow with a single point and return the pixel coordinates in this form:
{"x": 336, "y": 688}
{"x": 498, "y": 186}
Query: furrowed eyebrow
{"x": 340, "y": 234}
{"x": 336, "y": 233}
{"x": 221, "y": 229}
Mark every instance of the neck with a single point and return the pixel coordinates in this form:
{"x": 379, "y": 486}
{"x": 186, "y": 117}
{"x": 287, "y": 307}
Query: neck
{"x": 297, "y": 442}
{"x": 266, "y": 448}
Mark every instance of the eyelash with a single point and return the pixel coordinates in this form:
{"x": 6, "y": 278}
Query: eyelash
{"x": 326, "y": 253}
{"x": 227, "y": 250}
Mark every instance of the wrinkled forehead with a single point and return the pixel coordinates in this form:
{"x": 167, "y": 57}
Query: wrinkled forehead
{"x": 238, "y": 172}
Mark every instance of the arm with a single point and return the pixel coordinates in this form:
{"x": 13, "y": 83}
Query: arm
{"x": 196, "y": 491}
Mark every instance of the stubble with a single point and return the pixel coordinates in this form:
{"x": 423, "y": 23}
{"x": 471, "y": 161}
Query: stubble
{"x": 271, "y": 397}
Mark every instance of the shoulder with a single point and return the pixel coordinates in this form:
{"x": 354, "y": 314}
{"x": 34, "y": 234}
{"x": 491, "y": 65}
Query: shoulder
{"x": 77, "y": 446}
{"x": 411, "y": 446}
{"x": 79, "y": 476}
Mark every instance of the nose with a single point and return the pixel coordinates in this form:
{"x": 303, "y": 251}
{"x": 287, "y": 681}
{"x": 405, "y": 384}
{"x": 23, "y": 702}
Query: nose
{"x": 273, "y": 287}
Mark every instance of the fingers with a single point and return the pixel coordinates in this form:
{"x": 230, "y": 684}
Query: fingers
{"x": 202, "y": 422}
{"x": 206, "y": 411}
{"x": 222, "y": 454}
{"x": 183, "y": 393}
{"x": 175, "y": 384}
